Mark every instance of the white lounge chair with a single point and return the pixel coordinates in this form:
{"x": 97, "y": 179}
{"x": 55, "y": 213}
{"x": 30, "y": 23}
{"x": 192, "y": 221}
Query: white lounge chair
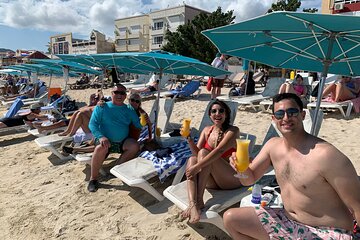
{"x": 35, "y": 132}
{"x": 13, "y": 130}
{"x": 344, "y": 107}
{"x": 136, "y": 172}
{"x": 271, "y": 89}
{"x": 139, "y": 82}
{"x": 216, "y": 201}
{"x": 53, "y": 143}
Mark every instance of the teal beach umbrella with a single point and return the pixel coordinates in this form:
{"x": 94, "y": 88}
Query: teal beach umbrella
{"x": 305, "y": 41}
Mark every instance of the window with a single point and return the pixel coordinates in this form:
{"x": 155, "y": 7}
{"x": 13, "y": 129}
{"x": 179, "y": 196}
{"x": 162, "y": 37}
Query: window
{"x": 55, "y": 48}
{"x": 158, "y": 25}
{"x": 135, "y": 29}
{"x": 134, "y": 41}
{"x": 66, "y": 48}
{"x": 157, "y": 40}
{"x": 61, "y": 48}
{"x": 121, "y": 42}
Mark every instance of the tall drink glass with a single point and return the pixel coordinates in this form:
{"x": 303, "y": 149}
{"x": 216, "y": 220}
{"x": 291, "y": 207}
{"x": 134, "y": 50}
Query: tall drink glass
{"x": 242, "y": 157}
{"x": 142, "y": 119}
{"x": 185, "y": 130}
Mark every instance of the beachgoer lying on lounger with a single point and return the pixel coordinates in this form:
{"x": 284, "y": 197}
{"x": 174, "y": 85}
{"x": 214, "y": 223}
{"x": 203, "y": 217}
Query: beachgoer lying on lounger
{"x": 152, "y": 86}
{"x": 345, "y": 89}
{"x": 80, "y": 118}
{"x": 135, "y": 102}
{"x": 84, "y": 79}
{"x": 18, "y": 120}
{"x": 53, "y": 124}
{"x": 296, "y": 87}
{"x": 28, "y": 94}
{"x": 209, "y": 166}
{"x": 319, "y": 185}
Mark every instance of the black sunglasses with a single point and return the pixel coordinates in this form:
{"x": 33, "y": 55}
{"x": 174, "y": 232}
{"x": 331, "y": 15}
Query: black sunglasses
{"x": 291, "y": 112}
{"x": 119, "y": 92}
{"x": 220, "y": 110}
{"x": 135, "y": 100}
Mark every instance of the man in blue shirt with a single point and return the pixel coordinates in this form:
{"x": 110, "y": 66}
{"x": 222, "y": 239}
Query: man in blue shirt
{"x": 110, "y": 126}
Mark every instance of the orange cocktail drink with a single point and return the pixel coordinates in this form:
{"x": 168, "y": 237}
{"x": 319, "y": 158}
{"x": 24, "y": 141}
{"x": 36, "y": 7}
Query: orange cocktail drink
{"x": 143, "y": 119}
{"x": 185, "y": 130}
{"x": 242, "y": 155}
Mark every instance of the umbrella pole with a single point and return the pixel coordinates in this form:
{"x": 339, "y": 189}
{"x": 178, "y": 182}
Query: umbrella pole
{"x": 157, "y": 102}
{"x": 322, "y": 81}
{"x": 247, "y": 78}
{"x": 66, "y": 76}
{"x": 103, "y": 79}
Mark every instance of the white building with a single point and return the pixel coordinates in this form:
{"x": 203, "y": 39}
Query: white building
{"x": 146, "y": 32}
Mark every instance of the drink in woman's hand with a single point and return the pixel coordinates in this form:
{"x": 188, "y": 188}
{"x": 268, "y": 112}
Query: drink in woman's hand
{"x": 185, "y": 130}
{"x": 142, "y": 119}
{"x": 242, "y": 156}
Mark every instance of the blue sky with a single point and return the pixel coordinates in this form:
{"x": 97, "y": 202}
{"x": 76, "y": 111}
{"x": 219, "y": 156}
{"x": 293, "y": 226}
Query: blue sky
{"x": 28, "y": 24}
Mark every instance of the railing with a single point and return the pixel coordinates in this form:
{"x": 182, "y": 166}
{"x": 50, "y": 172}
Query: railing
{"x": 346, "y": 1}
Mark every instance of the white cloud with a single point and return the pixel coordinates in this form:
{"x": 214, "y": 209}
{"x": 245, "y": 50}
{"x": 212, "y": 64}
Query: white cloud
{"x": 81, "y": 16}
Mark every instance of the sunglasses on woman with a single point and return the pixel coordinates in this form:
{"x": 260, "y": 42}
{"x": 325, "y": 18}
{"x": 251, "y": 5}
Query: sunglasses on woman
{"x": 291, "y": 112}
{"x": 119, "y": 92}
{"x": 135, "y": 100}
{"x": 220, "y": 110}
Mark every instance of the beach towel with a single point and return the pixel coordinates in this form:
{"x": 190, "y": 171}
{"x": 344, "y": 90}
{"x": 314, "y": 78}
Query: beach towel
{"x": 168, "y": 165}
{"x": 14, "y": 108}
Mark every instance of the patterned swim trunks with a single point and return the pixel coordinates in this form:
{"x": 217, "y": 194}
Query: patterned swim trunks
{"x": 115, "y": 147}
{"x": 279, "y": 226}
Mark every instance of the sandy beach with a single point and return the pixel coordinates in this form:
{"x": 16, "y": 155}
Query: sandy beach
{"x": 44, "y": 198}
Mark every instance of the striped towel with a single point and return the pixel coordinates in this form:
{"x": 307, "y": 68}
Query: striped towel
{"x": 144, "y": 134}
{"x": 170, "y": 164}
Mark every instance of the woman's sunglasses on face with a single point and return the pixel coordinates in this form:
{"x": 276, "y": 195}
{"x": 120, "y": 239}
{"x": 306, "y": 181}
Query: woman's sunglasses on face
{"x": 291, "y": 112}
{"x": 119, "y": 92}
{"x": 220, "y": 110}
{"x": 135, "y": 100}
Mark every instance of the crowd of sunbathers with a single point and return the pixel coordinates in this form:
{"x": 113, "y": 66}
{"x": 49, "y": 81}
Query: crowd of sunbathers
{"x": 15, "y": 87}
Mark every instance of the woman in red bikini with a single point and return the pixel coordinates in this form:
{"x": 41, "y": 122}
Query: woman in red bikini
{"x": 209, "y": 166}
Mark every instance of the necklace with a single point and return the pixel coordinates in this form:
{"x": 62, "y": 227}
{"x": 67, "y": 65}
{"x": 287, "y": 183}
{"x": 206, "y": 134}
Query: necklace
{"x": 219, "y": 137}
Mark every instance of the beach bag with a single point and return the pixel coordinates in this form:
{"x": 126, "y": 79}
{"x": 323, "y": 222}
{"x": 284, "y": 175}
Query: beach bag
{"x": 209, "y": 83}
{"x": 235, "y": 91}
{"x": 69, "y": 106}
{"x": 150, "y": 146}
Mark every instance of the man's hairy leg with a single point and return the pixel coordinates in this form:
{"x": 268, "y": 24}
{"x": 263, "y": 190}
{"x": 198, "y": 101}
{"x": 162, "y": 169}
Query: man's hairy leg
{"x": 243, "y": 223}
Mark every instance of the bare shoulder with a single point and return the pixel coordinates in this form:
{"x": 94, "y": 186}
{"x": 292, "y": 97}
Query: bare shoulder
{"x": 272, "y": 142}
{"x": 328, "y": 155}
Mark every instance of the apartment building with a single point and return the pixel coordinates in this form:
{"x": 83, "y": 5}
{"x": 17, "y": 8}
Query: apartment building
{"x": 66, "y": 44}
{"x": 146, "y": 32}
{"x": 345, "y": 7}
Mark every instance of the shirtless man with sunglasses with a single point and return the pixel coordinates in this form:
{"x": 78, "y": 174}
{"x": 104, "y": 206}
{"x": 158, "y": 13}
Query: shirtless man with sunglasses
{"x": 319, "y": 185}
{"x": 110, "y": 126}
